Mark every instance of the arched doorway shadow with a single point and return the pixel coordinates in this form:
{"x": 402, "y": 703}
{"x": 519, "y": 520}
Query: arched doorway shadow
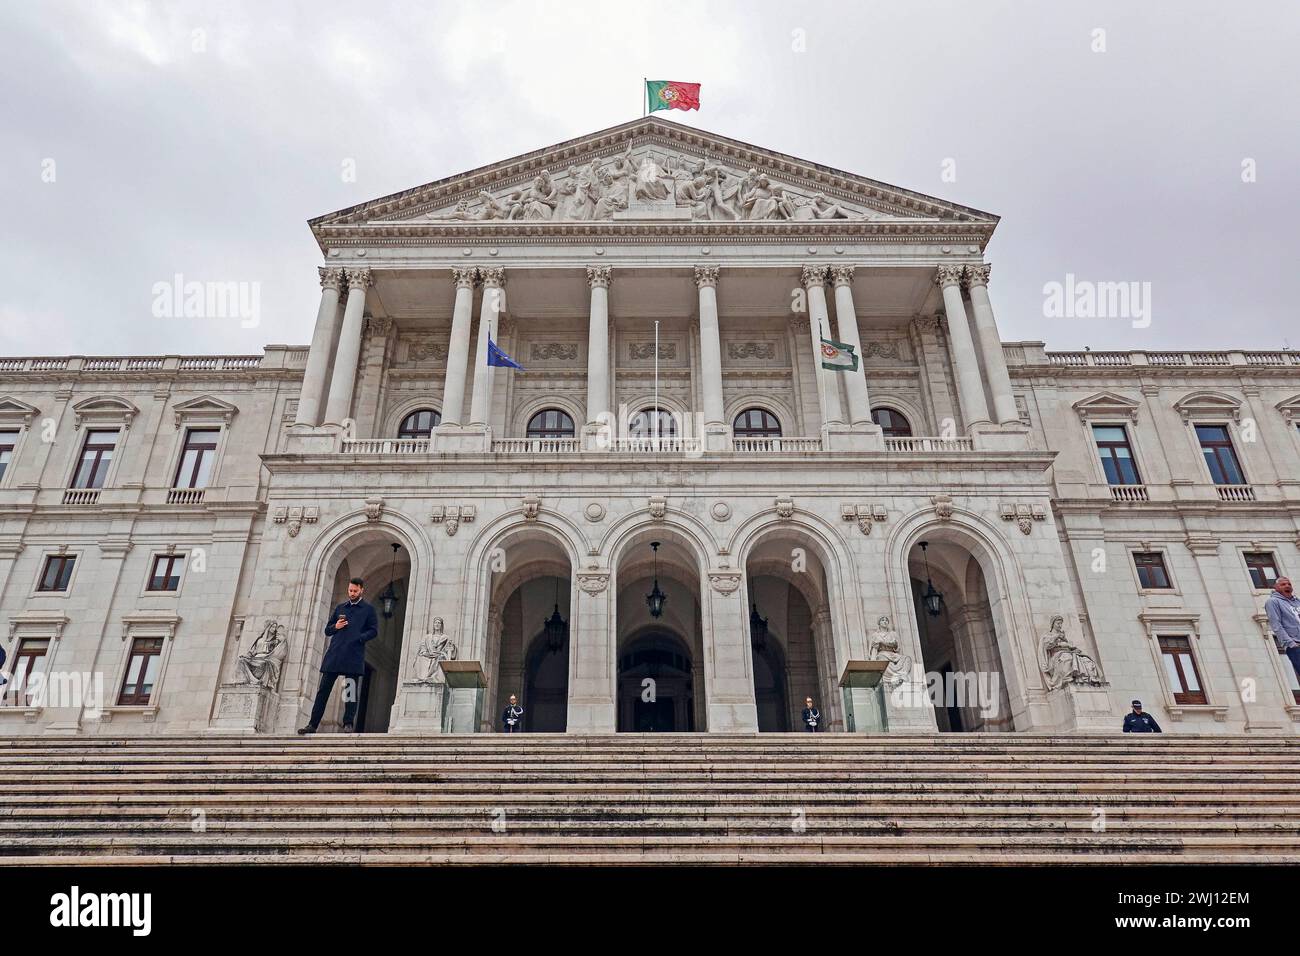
{"x": 656, "y": 691}
{"x": 546, "y": 685}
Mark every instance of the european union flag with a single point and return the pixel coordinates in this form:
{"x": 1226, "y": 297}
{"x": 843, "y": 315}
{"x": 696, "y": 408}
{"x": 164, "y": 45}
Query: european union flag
{"x": 499, "y": 359}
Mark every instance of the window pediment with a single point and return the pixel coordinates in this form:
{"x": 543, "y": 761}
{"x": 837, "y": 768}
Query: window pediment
{"x": 1290, "y": 408}
{"x": 1103, "y": 405}
{"x": 104, "y": 410}
{"x": 204, "y": 408}
{"x": 14, "y": 411}
{"x": 1208, "y": 404}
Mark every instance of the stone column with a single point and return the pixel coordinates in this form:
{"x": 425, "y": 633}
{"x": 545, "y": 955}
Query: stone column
{"x": 598, "y": 278}
{"x": 593, "y": 667}
{"x": 480, "y": 408}
{"x": 729, "y": 661}
{"x": 453, "y": 388}
{"x": 846, "y": 319}
{"x": 814, "y": 282}
{"x": 339, "y": 405}
{"x": 990, "y": 343}
{"x": 322, "y": 344}
{"x": 715, "y": 424}
{"x": 970, "y": 388}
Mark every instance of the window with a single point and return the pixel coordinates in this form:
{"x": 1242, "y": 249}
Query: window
{"x": 8, "y": 442}
{"x": 56, "y": 573}
{"x": 1262, "y": 567}
{"x": 166, "y": 572}
{"x": 756, "y": 423}
{"x": 141, "y": 670}
{"x": 892, "y": 423}
{"x": 550, "y": 423}
{"x": 96, "y": 456}
{"x": 197, "y": 456}
{"x": 651, "y": 422}
{"x": 1216, "y": 445}
{"x": 28, "y": 660}
{"x": 1151, "y": 570}
{"x": 419, "y": 424}
{"x": 1180, "y": 665}
{"x": 1116, "y": 455}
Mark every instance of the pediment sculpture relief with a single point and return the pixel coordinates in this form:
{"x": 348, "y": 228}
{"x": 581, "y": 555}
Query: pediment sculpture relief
{"x": 630, "y": 186}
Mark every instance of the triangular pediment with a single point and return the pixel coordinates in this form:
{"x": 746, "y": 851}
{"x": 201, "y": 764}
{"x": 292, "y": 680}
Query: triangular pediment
{"x": 1290, "y": 408}
{"x": 204, "y": 407}
{"x": 1103, "y": 405}
{"x": 15, "y": 410}
{"x": 651, "y": 171}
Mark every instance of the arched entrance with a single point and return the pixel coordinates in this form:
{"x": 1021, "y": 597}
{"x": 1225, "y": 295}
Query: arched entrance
{"x": 656, "y": 691}
{"x": 660, "y": 675}
{"x": 529, "y": 656}
{"x": 959, "y": 644}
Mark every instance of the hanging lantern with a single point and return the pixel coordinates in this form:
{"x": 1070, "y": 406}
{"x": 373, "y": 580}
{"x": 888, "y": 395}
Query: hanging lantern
{"x": 757, "y": 630}
{"x": 656, "y": 598}
{"x": 389, "y": 599}
{"x": 932, "y": 599}
{"x": 556, "y": 627}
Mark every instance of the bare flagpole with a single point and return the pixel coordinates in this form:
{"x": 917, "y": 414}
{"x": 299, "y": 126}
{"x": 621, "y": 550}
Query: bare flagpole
{"x": 645, "y": 96}
{"x": 656, "y": 412}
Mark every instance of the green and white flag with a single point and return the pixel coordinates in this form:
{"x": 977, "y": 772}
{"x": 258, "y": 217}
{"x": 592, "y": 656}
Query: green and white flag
{"x": 838, "y": 357}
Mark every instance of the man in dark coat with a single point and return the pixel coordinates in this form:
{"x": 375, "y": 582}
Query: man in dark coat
{"x": 1139, "y": 722}
{"x": 512, "y": 718}
{"x": 352, "y": 624}
{"x": 812, "y": 717}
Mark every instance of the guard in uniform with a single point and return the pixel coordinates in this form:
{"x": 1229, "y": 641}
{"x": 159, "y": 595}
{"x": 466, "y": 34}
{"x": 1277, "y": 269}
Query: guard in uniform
{"x": 812, "y": 717}
{"x": 512, "y": 718}
{"x": 1139, "y": 722}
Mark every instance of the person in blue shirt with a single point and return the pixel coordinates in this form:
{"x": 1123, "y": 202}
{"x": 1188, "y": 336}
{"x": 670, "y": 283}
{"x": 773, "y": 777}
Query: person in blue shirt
{"x": 512, "y": 718}
{"x": 1139, "y": 722}
{"x": 812, "y": 717}
{"x": 1283, "y": 610}
{"x": 351, "y": 625}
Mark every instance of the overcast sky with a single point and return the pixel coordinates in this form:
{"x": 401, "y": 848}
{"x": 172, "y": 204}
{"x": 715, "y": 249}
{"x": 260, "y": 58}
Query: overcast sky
{"x": 199, "y": 138}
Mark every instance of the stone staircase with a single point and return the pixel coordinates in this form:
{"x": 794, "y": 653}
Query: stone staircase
{"x": 643, "y": 799}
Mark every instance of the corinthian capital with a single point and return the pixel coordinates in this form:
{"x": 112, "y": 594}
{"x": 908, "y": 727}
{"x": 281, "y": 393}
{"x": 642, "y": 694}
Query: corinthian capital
{"x": 842, "y": 275}
{"x": 598, "y": 276}
{"x": 493, "y": 278}
{"x": 706, "y": 277}
{"x": 812, "y": 275}
{"x": 978, "y": 274}
{"x": 945, "y": 276}
{"x": 465, "y": 277}
{"x": 331, "y": 277}
{"x": 359, "y": 279}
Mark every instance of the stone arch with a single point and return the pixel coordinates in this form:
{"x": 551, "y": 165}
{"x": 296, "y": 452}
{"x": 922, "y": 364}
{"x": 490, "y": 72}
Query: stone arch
{"x": 679, "y": 409}
{"x": 784, "y": 414}
{"x": 395, "y": 415}
{"x": 567, "y": 404}
{"x": 914, "y": 415}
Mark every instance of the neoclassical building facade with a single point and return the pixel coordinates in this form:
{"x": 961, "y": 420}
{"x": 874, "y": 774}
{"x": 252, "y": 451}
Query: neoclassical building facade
{"x": 674, "y": 517}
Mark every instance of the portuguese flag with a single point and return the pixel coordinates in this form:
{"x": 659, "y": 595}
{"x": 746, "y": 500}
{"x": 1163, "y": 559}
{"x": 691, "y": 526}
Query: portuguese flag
{"x": 671, "y": 95}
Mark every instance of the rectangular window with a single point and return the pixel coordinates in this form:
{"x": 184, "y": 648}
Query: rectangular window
{"x": 1116, "y": 455}
{"x": 28, "y": 660}
{"x": 8, "y": 442}
{"x": 166, "y": 573}
{"x": 1151, "y": 570}
{"x": 57, "y": 572}
{"x": 1180, "y": 665}
{"x": 96, "y": 456}
{"x": 1262, "y": 567}
{"x": 141, "y": 671}
{"x": 197, "y": 456}
{"x": 1220, "y": 457}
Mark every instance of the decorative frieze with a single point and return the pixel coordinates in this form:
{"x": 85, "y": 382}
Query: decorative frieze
{"x": 553, "y": 352}
{"x": 765, "y": 351}
{"x": 1023, "y": 515}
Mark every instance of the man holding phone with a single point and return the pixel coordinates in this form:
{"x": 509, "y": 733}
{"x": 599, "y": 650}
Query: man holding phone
{"x": 352, "y": 624}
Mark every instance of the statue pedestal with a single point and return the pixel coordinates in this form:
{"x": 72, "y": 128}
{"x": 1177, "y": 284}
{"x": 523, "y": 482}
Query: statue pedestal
{"x": 1084, "y": 708}
{"x": 462, "y": 703}
{"x": 864, "y": 700}
{"x": 418, "y": 708}
{"x": 243, "y": 709}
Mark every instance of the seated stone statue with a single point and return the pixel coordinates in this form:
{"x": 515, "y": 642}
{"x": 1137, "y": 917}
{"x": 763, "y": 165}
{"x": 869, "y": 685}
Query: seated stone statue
{"x": 884, "y": 647}
{"x": 1063, "y": 663}
{"x": 435, "y": 647}
{"x": 261, "y": 663}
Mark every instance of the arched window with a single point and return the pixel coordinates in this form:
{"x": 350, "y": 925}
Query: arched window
{"x": 892, "y": 423}
{"x": 550, "y": 423}
{"x": 419, "y": 423}
{"x": 756, "y": 423}
{"x": 642, "y": 424}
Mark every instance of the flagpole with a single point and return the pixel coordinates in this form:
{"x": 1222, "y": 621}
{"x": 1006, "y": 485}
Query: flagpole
{"x": 656, "y": 383}
{"x": 645, "y": 96}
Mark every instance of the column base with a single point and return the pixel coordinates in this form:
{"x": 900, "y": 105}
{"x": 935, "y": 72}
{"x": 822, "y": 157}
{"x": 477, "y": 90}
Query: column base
{"x": 837, "y": 436}
{"x": 738, "y": 717}
{"x": 597, "y": 436}
{"x": 594, "y": 715}
{"x": 717, "y": 436}
{"x": 313, "y": 439}
{"x": 462, "y": 439}
{"x": 1009, "y": 436}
